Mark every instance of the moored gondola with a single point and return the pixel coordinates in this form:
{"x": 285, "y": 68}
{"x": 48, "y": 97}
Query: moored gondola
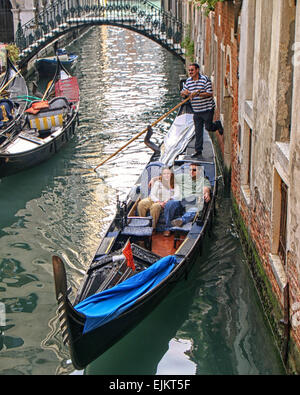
{"x": 134, "y": 268}
{"x": 13, "y": 94}
{"x": 47, "y": 66}
{"x": 46, "y": 126}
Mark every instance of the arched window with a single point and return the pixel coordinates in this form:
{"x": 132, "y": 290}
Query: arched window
{"x": 6, "y": 22}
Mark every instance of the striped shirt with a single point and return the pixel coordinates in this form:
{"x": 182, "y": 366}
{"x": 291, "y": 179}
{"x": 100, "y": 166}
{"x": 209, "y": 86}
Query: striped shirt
{"x": 200, "y": 104}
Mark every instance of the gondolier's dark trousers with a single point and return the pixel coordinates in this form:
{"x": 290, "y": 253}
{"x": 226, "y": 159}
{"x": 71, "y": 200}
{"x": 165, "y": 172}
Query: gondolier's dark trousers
{"x": 200, "y": 119}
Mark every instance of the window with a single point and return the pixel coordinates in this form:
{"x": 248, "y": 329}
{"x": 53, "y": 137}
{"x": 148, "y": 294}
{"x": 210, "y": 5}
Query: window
{"x": 283, "y": 221}
{"x": 279, "y": 228}
{"x": 222, "y": 79}
{"x": 250, "y": 49}
{"x": 6, "y": 22}
{"x": 279, "y": 217}
{"x": 249, "y": 155}
{"x": 246, "y": 169}
{"x": 215, "y": 61}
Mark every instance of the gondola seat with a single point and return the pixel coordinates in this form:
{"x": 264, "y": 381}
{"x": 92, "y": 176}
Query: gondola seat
{"x": 139, "y": 233}
{"x": 47, "y": 120}
{"x": 179, "y": 231}
{"x": 139, "y": 221}
{"x": 193, "y": 228}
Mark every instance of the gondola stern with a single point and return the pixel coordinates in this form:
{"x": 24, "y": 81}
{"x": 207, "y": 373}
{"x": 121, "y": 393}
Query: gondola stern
{"x": 71, "y": 322}
{"x": 60, "y": 277}
{"x": 60, "y": 280}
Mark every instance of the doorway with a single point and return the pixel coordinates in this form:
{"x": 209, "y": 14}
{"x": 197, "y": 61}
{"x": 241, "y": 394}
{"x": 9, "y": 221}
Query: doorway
{"x": 6, "y": 22}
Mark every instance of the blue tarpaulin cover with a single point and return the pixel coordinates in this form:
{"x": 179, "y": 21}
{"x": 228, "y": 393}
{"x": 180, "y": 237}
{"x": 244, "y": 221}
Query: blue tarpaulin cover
{"x": 107, "y": 305}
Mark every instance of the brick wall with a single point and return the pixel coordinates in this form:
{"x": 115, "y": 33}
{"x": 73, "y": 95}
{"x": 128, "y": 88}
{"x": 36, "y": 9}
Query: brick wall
{"x": 223, "y": 67}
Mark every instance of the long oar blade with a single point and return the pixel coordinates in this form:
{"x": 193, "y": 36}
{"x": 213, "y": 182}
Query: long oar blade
{"x": 142, "y": 132}
{"x": 49, "y": 86}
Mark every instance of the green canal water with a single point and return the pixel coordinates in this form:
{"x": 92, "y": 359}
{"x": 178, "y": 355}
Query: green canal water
{"x": 210, "y": 324}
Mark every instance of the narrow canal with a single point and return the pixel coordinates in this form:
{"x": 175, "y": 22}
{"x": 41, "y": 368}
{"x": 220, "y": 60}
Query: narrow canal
{"x": 212, "y": 323}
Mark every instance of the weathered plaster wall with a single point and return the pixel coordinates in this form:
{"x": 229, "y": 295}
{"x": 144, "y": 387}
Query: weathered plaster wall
{"x": 293, "y": 261}
{"x": 269, "y": 100}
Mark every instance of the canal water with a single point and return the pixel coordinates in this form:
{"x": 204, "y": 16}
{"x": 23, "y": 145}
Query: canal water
{"x": 211, "y": 323}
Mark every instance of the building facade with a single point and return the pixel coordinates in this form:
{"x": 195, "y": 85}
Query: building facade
{"x": 251, "y": 51}
{"x": 14, "y": 11}
{"x": 266, "y": 182}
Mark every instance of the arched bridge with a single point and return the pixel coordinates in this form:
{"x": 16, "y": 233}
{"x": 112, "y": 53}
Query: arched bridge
{"x": 63, "y": 16}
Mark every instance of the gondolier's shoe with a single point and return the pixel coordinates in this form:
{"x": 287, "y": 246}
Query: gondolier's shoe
{"x": 220, "y": 127}
{"x": 177, "y": 222}
{"x": 197, "y": 155}
{"x": 167, "y": 233}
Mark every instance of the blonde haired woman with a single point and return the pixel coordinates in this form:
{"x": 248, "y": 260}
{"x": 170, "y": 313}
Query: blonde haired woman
{"x": 161, "y": 192}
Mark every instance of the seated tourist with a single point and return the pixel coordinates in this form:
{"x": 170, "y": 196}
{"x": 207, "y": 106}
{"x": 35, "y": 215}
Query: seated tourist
{"x": 161, "y": 192}
{"x": 195, "y": 190}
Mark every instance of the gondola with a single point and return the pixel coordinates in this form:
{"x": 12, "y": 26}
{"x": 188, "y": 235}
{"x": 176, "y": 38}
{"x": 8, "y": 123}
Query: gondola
{"x": 13, "y": 94}
{"x": 133, "y": 269}
{"x": 47, "y": 66}
{"x": 47, "y": 125}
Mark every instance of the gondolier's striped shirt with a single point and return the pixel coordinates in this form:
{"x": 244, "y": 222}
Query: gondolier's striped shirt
{"x": 200, "y": 104}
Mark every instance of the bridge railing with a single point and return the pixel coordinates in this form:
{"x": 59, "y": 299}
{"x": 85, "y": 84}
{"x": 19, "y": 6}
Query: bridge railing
{"x": 140, "y": 15}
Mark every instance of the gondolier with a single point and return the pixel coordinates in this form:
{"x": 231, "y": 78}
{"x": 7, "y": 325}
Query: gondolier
{"x": 203, "y": 105}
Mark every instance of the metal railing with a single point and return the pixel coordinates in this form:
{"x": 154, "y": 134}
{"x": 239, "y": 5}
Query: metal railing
{"x": 60, "y": 17}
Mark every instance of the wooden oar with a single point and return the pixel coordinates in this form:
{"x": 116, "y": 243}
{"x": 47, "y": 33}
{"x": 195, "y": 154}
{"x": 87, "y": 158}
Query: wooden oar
{"x": 8, "y": 82}
{"x": 142, "y": 132}
{"x": 47, "y": 89}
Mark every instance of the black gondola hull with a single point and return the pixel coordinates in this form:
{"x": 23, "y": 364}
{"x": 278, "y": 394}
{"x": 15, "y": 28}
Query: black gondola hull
{"x": 86, "y": 347}
{"x": 14, "y": 163}
{"x": 47, "y": 67}
{"x": 101, "y": 339}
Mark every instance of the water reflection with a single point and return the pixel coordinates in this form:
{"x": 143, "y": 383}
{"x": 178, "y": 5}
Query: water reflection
{"x": 178, "y": 356}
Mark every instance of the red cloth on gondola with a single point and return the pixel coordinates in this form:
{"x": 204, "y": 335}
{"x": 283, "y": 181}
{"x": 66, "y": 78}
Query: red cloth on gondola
{"x": 127, "y": 251}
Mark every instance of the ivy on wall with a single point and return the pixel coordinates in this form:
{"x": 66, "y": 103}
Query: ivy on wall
{"x": 208, "y": 4}
{"x": 188, "y": 45}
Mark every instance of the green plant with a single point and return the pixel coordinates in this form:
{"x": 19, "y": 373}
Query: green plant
{"x": 208, "y": 4}
{"x": 13, "y": 52}
{"x": 188, "y": 44}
